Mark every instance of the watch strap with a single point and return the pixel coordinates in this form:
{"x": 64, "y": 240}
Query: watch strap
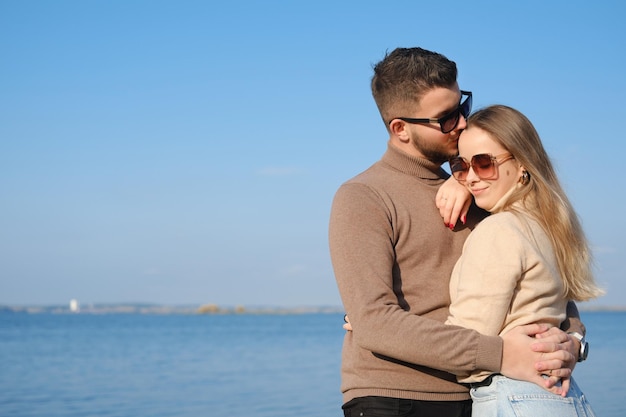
{"x": 584, "y": 346}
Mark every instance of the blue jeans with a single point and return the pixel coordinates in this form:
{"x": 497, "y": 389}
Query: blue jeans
{"x": 506, "y": 397}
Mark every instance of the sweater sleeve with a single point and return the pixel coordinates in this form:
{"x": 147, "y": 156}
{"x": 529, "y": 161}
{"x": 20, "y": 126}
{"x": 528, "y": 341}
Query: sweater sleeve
{"x": 361, "y": 240}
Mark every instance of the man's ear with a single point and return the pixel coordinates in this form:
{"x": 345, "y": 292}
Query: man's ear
{"x": 398, "y": 128}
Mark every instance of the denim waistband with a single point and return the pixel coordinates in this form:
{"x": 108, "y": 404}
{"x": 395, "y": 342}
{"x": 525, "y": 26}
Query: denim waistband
{"x": 485, "y": 382}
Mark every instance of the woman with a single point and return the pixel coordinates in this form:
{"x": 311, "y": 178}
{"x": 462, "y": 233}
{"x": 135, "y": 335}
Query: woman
{"x": 521, "y": 264}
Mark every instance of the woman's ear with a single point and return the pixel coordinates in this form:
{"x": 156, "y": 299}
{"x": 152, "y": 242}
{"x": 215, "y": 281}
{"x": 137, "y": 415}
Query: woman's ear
{"x": 525, "y": 176}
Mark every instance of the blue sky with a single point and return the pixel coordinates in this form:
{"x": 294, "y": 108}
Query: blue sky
{"x": 187, "y": 152}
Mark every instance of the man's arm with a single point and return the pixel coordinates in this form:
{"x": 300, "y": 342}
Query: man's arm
{"x": 573, "y": 324}
{"x": 520, "y": 352}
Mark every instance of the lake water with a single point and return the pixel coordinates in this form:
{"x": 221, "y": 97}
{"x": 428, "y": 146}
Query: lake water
{"x": 216, "y": 365}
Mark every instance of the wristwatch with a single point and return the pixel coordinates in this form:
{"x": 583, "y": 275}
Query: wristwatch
{"x": 584, "y": 346}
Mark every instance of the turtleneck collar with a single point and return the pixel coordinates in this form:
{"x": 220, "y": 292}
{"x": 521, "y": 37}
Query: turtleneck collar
{"x": 412, "y": 165}
{"x": 504, "y": 199}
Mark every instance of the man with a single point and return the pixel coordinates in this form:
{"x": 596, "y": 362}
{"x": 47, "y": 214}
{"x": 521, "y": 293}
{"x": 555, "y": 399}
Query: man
{"x": 393, "y": 255}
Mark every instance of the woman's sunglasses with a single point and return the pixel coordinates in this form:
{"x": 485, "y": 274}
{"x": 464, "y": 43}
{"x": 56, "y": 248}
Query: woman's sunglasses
{"x": 450, "y": 121}
{"x": 483, "y": 164}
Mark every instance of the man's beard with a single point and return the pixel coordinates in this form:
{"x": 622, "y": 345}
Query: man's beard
{"x": 436, "y": 155}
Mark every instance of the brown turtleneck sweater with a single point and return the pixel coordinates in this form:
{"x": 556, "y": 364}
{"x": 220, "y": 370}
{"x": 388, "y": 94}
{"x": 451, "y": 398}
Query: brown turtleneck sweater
{"x": 393, "y": 256}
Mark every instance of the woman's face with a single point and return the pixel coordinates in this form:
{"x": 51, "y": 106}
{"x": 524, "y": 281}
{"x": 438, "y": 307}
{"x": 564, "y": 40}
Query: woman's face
{"x": 488, "y": 191}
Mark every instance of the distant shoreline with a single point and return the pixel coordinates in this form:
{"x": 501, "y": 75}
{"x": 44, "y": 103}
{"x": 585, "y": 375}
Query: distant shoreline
{"x": 206, "y": 309}
{"x": 140, "y": 308}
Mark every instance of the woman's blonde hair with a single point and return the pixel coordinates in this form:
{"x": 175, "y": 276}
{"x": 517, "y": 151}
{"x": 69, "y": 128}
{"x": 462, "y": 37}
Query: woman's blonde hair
{"x": 542, "y": 196}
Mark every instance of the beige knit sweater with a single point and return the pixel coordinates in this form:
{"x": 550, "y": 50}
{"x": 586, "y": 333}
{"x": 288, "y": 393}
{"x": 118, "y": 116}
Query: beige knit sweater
{"x": 508, "y": 276}
{"x": 393, "y": 257}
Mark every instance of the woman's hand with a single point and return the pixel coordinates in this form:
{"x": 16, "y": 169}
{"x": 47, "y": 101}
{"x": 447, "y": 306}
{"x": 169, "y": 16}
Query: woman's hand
{"x": 453, "y": 201}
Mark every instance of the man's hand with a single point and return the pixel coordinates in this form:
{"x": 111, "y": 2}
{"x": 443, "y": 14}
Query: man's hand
{"x": 347, "y": 326}
{"x": 555, "y": 340}
{"x": 453, "y": 201}
{"x": 527, "y": 358}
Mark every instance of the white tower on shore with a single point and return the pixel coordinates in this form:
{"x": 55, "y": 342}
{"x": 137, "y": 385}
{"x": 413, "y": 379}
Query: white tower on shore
{"x": 74, "y": 306}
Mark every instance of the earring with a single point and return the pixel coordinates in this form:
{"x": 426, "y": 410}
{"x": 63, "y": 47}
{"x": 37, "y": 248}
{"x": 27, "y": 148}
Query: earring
{"x": 525, "y": 178}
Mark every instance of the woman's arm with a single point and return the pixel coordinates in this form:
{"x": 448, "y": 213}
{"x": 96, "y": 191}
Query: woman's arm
{"x": 453, "y": 201}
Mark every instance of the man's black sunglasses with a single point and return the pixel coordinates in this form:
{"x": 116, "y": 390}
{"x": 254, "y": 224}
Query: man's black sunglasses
{"x": 450, "y": 121}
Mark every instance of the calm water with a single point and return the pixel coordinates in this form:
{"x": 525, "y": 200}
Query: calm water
{"x": 236, "y": 365}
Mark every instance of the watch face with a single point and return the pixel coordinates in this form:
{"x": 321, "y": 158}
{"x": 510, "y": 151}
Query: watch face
{"x": 584, "y": 351}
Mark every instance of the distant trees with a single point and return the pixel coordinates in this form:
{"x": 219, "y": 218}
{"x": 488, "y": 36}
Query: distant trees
{"x": 215, "y": 309}
{"x": 208, "y": 309}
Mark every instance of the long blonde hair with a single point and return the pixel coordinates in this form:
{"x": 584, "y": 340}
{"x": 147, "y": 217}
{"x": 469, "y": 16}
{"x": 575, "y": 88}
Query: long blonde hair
{"x": 543, "y": 197}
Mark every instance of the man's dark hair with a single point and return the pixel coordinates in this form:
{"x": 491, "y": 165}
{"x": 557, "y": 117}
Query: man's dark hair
{"x": 405, "y": 75}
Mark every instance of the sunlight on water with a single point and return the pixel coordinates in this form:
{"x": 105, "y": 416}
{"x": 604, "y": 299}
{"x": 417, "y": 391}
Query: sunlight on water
{"x": 176, "y": 365}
